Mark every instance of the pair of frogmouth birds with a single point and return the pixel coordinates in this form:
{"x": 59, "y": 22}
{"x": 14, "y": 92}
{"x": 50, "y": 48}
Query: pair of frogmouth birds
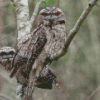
{"x": 47, "y": 39}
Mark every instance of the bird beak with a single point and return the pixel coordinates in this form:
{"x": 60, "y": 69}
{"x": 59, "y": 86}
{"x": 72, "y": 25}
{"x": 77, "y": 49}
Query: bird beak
{"x": 51, "y": 18}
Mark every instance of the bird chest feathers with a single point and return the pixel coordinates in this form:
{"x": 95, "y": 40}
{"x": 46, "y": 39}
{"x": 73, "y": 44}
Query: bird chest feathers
{"x": 55, "y": 38}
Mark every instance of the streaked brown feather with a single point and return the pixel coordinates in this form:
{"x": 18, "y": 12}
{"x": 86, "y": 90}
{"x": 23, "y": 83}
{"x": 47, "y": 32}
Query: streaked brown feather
{"x": 30, "y": 50}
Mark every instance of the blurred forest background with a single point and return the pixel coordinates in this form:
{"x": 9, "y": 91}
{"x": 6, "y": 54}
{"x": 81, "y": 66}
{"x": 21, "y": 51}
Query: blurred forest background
{"x": 79, "y": 69}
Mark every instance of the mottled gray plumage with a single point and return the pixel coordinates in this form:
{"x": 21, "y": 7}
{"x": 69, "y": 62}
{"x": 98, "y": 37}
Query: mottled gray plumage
{"x": 53, "y": 19}
{"x": 47, "y": 39}
{"x": 35, "y": 49}
{"x": 6, "y": 58}
{"x": 29, "y": 49}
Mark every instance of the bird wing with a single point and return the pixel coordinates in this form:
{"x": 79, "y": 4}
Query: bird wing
{"x": 29, "y": 50}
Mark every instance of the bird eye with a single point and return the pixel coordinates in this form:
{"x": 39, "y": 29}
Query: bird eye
{"x": 44, "y": 15}
{"x": 57, "y": 14}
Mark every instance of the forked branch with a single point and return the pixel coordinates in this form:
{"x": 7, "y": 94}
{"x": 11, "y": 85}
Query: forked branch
{"x": 75, "y": 29}
{"x": 70, "y": 37}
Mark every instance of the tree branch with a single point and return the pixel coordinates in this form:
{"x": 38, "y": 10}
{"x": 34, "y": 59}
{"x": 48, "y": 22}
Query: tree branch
{"x": 22, "y": 12}
{"x": 97, "y": 89}
{"x": 36, "y": 11}
{"x": 24, "y": 25}
{"x": 74, "y": 31}
{"x": 70, "y": 37}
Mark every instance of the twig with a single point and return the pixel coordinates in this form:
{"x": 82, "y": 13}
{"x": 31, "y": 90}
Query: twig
{"x": 35, "y": 11}
{"x": 6, "y": 97}
{"x": 75, "y": 29}
{"x": 58, "y": 3}
{"x": 97, "y": 89}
